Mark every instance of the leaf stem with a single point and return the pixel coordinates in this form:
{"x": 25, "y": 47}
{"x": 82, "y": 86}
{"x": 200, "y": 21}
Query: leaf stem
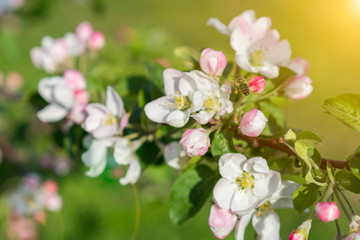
{"x": 339, "y": 233}
{"x": 342, "y": 206}
{"x": 346, "y": 200}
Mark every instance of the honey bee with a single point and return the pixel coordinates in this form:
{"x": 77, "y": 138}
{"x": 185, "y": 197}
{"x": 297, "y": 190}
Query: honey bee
{"x": 241, "y": 84}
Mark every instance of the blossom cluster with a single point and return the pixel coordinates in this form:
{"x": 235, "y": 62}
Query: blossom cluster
{"x": 57, "y": 55}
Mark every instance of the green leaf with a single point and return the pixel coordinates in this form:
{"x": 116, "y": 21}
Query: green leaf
{"x": 222, "y": 143}
{"x": 314, "y": 155}
{"x": 345, "y": 107}
{"x": 305, "y": 196}
{"x": 190, "y": 192}
{"x": 149, "y": 153}
{"x": 348, "y": 180}
{"x": 310, "y": 136}
{"x": 290, "y": 135}
{"x": 355, "y": 162}
{"x": 155, "y": 72}
{"x": 276, "y": 119}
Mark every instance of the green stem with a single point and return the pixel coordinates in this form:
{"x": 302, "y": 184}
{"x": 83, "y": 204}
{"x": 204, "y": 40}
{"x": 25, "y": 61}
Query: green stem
{"x": 137, "y": 212}
{"x": 342, "y": 206}
{"x": 346, "y": 200}
{"x": 338, "y": 229}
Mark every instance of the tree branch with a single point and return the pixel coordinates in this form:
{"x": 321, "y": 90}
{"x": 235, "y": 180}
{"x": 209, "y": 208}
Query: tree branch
{"x": 279, "y": 144}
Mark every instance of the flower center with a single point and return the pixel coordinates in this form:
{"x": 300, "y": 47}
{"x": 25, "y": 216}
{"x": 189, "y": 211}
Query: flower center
{"x": 257, "y": 57}
{"x": 264, "y": 209}
{"x": 245, "y": 181}
{"x": 108, "y": 120}
{"x": 181, "y": 102}
{"x": 211, "y": 102}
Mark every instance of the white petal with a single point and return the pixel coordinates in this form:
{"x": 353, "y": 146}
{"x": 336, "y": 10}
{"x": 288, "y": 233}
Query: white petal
{"x": 239, "y": 42}
{"x": 186, "y": 85}
{"x": 281, "y": 53}
{"x": 256, "y": 165}
{"x": 267, "y": 226}
{"x": 241, "y": 226}
{"x": 46, "y": 87}
{"x": 242, "y": 61}
{"x": 177, "y": 118}
{"x": 171, "y": 80}
{"x": 243, "y": 202}
{"x": 204, "y": 83}
{"x": 269, "y": 70}
{"x": 114, "y": 102}
{"x": 203, "y": 116}
{"x": 159, "y": 109}
{"x": 122, "y": 151}
{"x": 223, "y": 193}
{"x": 133, "y": 172}
{"x": 197, "y": 101}
{"x": 218, "y": 26}
{"x": 282, "y": 198}
{"x": 52, "y": 113}
{"x": 95, "y": 157}
{"x": 230, "y": 165}
{"x": 172, "y": 153}
{"x": 104, "y": 131}
{"x": 266, "y": 185}
{"x": 95, "y": 113}
{"x": 64, "y": 95}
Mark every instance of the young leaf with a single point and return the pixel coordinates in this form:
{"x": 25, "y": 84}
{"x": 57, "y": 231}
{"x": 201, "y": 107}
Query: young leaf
{"x": 155, "y": 72}
{"x": 190, "y": 191}
{"x": 348, "y": 180}
{"x": 222, "y": 143}
{"x": 355, "y": 162}
{"x": 305, "y": 196}
{"x": 290, "y": 135}
{"x": 310, "y": 136}
{"x": 345, "y": 107}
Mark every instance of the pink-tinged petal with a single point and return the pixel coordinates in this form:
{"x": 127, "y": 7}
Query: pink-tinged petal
{"x": 58, "y": 51}
{"x": 75, "y": 79}
{"x": 299, "y": 65}
{"x": 114, "y": 102}
{"x": 159, "y": 109}
{"x": 171, "y": 80}
{"x": 239, "y": 42}
{"x": 260, "y": 27}
{"x": 122, "y": 151}
{"x": 253, "y": 123}
{"x": 257, "y": 84}
{"x": 96, "y": 41}
{"x": 267, "y": 226}
{"x": 226, "y": 88}
{"x": 221, "y": 221}
{"x": 177, "y": 118}
{"x": 266, "y": 185}
{"x": 241, "y": 225}
{"x": 249, "y": 116}
{"x": 212, "y": 62}
{"x": 133, "y": 172}
{"x": 243, "y": 202}
{"x": 36, "y": 56}
{"x": 298, "y": 87}
{"x": 53, "y": 202}
{"x": 214, "y": 22}
{"x": 50, "y": 187}
{"x": 52, "y": 113}
{"x": 327, "y": 211}
{"x": 77, "y": 113}
{"x": 82, "y": 96}
{"x": 223, "y": 193}
{"x": 195, "y": 142}
{"x": 230, "y": 165}
{"x": 281, "y": 53}
{"x": 84, "y": 31}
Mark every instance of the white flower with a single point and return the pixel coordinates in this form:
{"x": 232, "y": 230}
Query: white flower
{"x": 244, "y": 183}
{"x": 187, "y": 93}
{"x": 263, "y": 55}
{"x": 265, "y": 220}
{"x": 96, "y": 158}
{"x": 173, "y": 152}
{"x": 246, "y": 22}
{"x": 106, "y": 121}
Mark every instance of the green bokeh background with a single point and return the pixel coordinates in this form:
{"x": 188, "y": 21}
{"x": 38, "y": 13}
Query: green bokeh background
{"x": 325, "y": 32}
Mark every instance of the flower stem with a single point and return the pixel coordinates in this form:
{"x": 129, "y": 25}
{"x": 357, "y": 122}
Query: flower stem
{"x": 346, "y": 200}
{"x": 137, "y": 212}
{"x": 338, "y": 229}
{"x": 342, "y": 206}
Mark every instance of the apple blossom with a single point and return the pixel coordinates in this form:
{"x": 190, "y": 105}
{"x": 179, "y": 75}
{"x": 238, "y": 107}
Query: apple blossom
{"x": 192, "y": 93}
{"x": 96, "y": 41}
{"x": 263, "y": 55}
{"x": 257, "y": 84}
{"x": 67, "y": 96}
{"x": 302, "y": 232}
{"x": 246, "y": 22}
{"x": 195, "y": 142}
{"x": 245, "y": 183}
{"x": 96, "y": 158}
{"x": 106, "y": 121}
{"x": 353, "y": 236}
{"x": 298, "y": 87}
{"x": 173, "y": 152}
{"x": 327, "y": 211}
{"x": 212, "y": 62}
{"x": 221, "y": 221}
{"x": 253, "y": 123}
{"x": 83, "y": 31}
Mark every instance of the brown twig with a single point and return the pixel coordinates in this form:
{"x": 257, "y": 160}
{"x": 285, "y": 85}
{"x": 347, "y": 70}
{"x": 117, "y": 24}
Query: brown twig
{"x": 279, "y": 144}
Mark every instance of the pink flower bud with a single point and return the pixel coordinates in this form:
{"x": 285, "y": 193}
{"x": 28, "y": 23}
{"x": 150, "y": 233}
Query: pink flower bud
{"x": 257, "y": 84}
{"x": 50, "y": 187}
{"x": 82, "y": 96}
{"x": 53, "y": 202}
{"x": 298, "y": 87}
{"x": 14, "y": 81}
{"x": 75, "y": 79}
{"x": 221, "y": 221}
{"x": 327, "y": 211}
{"x": 253, "y": 123}
{"x": 302, "y": 232}
{"x": 212, "y": 62}
{"x": 97, "y": 41}
{"x": 195, "y": 142}
{"x": 84, "y": 31}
